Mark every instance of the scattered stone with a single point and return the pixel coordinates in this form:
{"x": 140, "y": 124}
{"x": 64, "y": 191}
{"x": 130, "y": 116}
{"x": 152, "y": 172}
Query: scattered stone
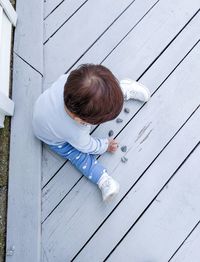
{"x": 124, "y": 148}
{"x": 124, "y": 159}
{"x": 119, "y": 120}
{"x": 111, "y": 133}
{"x": 126, "y": 110}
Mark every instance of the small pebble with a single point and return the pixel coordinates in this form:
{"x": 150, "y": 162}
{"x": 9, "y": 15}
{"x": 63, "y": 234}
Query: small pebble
{"x": 119, "y": 120}
{"x": 111, "y": 133}
{"x": 124, "y": 159}
{"x": 126, "y": 110}
{"x": 124, "y": 148}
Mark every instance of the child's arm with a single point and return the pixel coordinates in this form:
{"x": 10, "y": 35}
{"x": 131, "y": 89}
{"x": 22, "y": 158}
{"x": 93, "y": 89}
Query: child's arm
{"x": 86, "y": 143}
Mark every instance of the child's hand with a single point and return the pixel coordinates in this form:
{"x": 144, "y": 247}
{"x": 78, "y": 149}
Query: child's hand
{"x": 112, "y": 146}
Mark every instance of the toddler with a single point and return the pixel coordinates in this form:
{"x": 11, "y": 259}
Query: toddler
{"x": 64, "y": 113}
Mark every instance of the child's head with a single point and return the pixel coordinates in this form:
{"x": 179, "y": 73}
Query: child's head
{"x": 92, "y": 93}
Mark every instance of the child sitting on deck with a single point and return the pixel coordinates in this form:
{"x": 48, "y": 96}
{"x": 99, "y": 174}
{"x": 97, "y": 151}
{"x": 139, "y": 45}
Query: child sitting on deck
{"x": 64, "y": 113}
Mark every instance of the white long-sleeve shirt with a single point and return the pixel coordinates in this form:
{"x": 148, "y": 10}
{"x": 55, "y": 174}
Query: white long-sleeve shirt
{"x": 53, "y": 125}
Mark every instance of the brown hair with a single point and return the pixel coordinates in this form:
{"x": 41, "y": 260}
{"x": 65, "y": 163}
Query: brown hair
{"x": 93, "y": 94}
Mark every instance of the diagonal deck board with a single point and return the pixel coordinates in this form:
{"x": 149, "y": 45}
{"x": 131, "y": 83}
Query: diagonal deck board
{"x": 51, "y": 163}
{"x": 63, "y": 43}
{"x": 165, "y": 216}
{"x": 189, "y": 251}
{"x": 144, "y": 192}
{"x": 61, "y": 183}
{"x": 143, "y": 45}
{"x": 60, "y": 16}
{"x": 118, "y": 32}
{"x": 51, "y": 5}
{"x": 72, "y": 217}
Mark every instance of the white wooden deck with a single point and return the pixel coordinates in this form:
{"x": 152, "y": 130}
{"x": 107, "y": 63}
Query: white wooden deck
{"x": 156, "y": 216}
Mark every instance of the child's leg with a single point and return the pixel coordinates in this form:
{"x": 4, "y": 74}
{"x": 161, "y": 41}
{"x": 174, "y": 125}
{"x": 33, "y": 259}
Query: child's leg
{"x": 87, "y": 164}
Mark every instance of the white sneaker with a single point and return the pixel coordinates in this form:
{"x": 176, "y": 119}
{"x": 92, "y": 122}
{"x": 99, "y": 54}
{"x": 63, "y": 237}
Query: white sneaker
{"x": 108, "y": 186}
{"x": 134, "y": 90}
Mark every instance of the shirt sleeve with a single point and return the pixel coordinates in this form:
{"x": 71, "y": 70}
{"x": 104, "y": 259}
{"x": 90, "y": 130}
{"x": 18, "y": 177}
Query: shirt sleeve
{"x": 88, "y": 144}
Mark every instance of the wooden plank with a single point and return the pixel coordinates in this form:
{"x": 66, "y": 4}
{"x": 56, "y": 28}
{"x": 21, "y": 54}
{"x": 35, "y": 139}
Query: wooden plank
{"x": 161, "y": 117}
{"x": 162, "y": 228}
{"x": 118, "y": 32}
{"x": 190, "y": 250}
{"x": 5, "y": 50}
{"x": 28, "y": 42}
{"x": 62, "y": 183}
{"x": 102, "y": 47}
{"x": 60, "y": 16}
{"x": 50, "y": 5}
{"x": 51, "y": 163}
{"x": 24, "y": 190}
{"x": 6, "y": 105}
{"x": 157, "y": 21}
{"x": 165, "y": 20}
{"x": 63, "y": 50}
{"x": 9, "y": 10}
{"x": 142, "y": 193}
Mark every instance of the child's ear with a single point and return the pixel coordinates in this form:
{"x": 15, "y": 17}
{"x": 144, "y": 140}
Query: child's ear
{"x": 77, "y": 119}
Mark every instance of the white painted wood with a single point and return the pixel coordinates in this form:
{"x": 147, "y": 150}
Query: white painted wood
{"x": 168, "y": 221}
{"x": 51, "y": 162}
{"x": 82, "y": 210}
{"x": 162, "y": 23}
{"x": 190, "y": 250}
{"x": 1, "y": 18}
{"x": 64, "y": 180}
{"x": 50, "y": 5}
{"x": 24, "y": 189}
{"x": 5, "y": 49}
{"x": 64, "y": 48}
{"x": 115, "y": 33}
{"x": 9, "y": 10}
{"x": 59, "y": 16}
{"x": 154, "y": 24}
{"x": 28, "y": 40}
{"x": 142, "y": 193}
{"x": 6, "y": 105}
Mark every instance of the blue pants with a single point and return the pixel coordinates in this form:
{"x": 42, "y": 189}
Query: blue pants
{"x": 86, "y": 163}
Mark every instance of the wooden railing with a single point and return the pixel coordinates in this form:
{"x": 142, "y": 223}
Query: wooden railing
{"x": 8, "y": 17}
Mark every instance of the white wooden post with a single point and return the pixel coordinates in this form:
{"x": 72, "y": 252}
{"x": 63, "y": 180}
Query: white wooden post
{"x": 8, "y": 17}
